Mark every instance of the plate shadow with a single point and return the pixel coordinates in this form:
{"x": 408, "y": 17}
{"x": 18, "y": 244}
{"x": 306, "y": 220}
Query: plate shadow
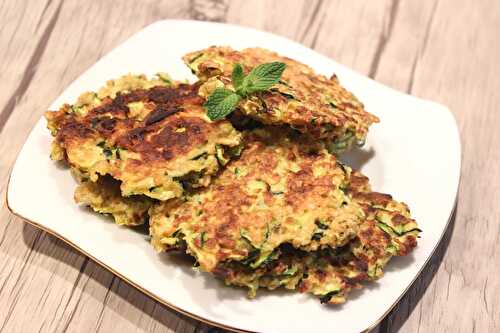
{"x": 357, "y": 158}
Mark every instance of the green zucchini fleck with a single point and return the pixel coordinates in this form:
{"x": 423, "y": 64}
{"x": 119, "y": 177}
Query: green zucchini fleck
{"x": 317, "y": 236}
{"x": 219, "y": 154}
{"x": 195, "y": 58}
{"x": 107, "y": 152}
{"x": 327, "y": 297}
{"x": 320, "y": 224}
{"x": 252, "y": 256}
{"x": 392, "y": 231}
{"x": 202, "y": 238}
{"x": 291, "y": 271}
{"x": 78, "y": 110}
{"x": 164, "y": 77}
{"x": 333, "y": 104}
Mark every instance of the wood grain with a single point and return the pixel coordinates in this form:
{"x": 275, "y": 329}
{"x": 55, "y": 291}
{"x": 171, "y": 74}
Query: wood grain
{"x": 445, "y": 50}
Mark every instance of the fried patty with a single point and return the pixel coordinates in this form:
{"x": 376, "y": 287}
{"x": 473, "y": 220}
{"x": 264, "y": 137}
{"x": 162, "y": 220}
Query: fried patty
{"x": 280, "y": 191}
{"x": 151, "y": 135}
{"x": 388, "y": 229}
{"x": 330, "y": 274}
{"x": 303, "y": 99}
{"x": 104, "y": 196}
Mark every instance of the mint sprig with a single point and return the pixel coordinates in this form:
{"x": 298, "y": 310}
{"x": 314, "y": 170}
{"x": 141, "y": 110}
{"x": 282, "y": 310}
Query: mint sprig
{"x": 237, "y": 76}
{"x": 223, "y": 101}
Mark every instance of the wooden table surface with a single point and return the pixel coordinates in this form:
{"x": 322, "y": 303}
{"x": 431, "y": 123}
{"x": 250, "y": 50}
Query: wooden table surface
{"x": 444, "y": 50}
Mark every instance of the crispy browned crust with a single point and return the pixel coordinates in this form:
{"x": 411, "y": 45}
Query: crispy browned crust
{"x": 332, "y": 274}
{"x": 280, "y": 192}
{"x": 388, "y": 230}
{"x": 151, "y": 139}
{"x": 150, "y": 136}
{"x": 277, "y": 192}
{"x": 303, "y": 99}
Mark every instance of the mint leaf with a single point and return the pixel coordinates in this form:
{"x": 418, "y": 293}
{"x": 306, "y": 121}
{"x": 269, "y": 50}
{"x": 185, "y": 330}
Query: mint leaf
{"x": 237, "y": 76}
{"x": 262, "y": 77}
{"x": 221, "y": 103}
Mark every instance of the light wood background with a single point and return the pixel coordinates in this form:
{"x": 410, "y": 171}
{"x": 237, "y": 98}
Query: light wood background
{"x": 444, "y": 50}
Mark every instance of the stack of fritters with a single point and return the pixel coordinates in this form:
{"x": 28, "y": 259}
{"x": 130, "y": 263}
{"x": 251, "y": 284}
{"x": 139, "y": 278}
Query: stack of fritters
{"x": 385, "y": 230}
{"x": 152, "y": 137}
{"x": 287, "y": 213}
{"x": 260, "y": 201}
{"x": 277, "y": 192}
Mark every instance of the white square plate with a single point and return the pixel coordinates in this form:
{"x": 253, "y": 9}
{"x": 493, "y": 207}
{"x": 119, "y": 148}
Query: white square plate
{"x": 415, "y": 156}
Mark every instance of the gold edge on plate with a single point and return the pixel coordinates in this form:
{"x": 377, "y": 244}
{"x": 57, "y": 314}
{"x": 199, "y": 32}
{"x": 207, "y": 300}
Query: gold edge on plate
{"x": 135, "y": 285}
{"x": 196, "y": 317}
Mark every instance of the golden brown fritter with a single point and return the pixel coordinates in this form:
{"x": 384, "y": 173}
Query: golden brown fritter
{"x": 151, "y": 135}
{"x": 387, "y": 231}
{"x": 287, "y": 214}
{"x": 104, "y": 196}
{"x": 303, "y": 99}
{"x": 277, "y": 192}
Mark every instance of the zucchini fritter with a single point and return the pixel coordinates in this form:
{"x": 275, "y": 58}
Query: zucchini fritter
{"x": 387, "y": 231}
{"x": 151, "y": 135}
{"x": 277, "y": 192}
{"x": 304, "y": 100}
{"x": 287, "y": 214}
{"x": 104, "y": 196}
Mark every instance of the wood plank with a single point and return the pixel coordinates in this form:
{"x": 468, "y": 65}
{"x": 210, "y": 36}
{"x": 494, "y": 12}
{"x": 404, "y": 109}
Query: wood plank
{"x": 86, "y": 299}
{"x": 458, "y": 65}
{"x": 64, "y": 274}
{"x": 20, "y": 56}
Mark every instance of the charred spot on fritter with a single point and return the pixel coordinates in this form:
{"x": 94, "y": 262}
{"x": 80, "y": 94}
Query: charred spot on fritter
{"x": 160, "y": 112}
{"x": 147, "y": 134}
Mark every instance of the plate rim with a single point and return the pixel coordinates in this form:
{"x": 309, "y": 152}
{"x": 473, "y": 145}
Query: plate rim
{"x": 155, "y": 297}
